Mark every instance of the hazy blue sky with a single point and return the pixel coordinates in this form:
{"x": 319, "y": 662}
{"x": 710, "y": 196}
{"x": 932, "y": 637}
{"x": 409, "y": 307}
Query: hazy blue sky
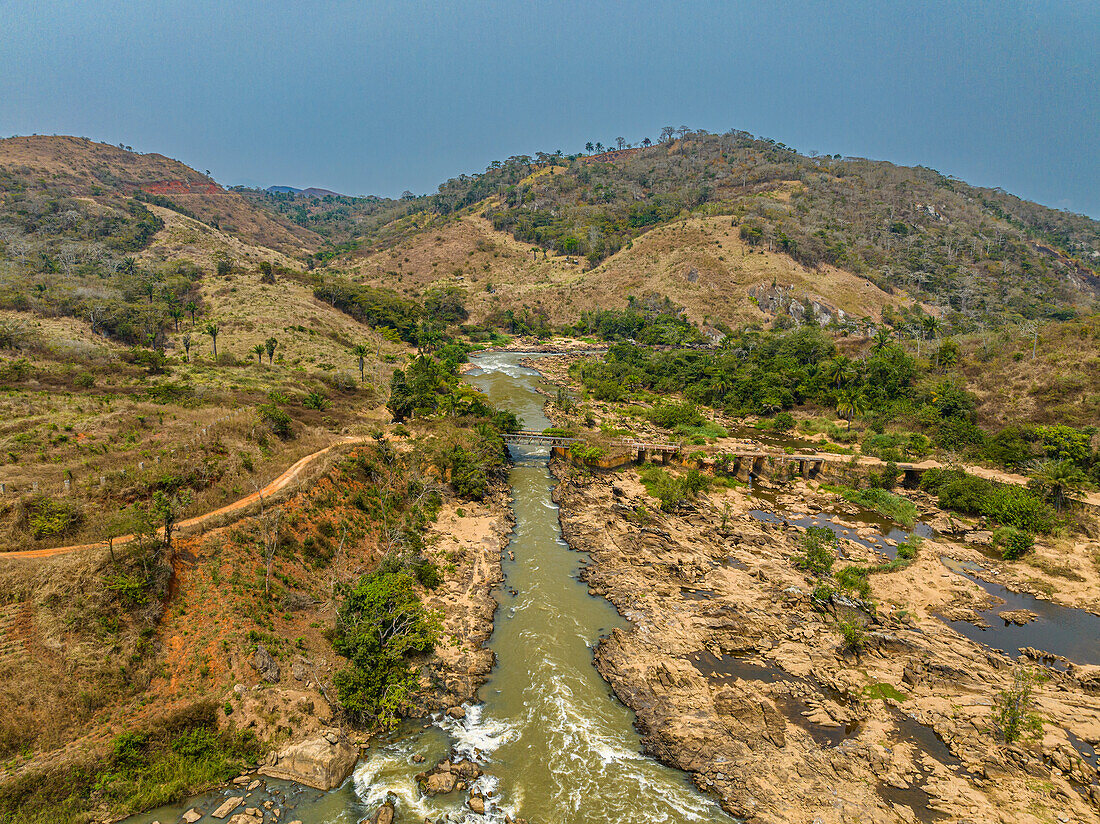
{"x": 375, "y": 97}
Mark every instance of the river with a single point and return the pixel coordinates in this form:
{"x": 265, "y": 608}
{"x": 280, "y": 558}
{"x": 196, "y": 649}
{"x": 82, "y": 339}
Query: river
{"x": 557, "y": 745}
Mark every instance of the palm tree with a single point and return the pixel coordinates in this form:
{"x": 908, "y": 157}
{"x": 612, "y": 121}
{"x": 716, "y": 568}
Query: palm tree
{"x": 599, "y": 147}
{"x": 176, "y": 314}
{"x": 837, "y": 371}
{"x": 192, "y": 307}
{"x": 270, "y": 345}
{"x": 259, "y": 350}
{"x": 1059, "y": 479}
{"x": 361, "y": 351}
{"x": 929, "y": 325}
{"x": 647, "y": 142}
{"x": 212, "y": 330}
{"x": 186, "y": 341}
{"x": 850, "y": 405}
{"x": 881, "y": 339}
{"x": 588, "y": 147}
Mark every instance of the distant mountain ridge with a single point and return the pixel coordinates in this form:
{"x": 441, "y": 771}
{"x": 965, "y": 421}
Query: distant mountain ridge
{"x": 312, "y": 191}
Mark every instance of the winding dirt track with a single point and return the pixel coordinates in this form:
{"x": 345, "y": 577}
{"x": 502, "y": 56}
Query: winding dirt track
{"x": 295, "y": 471}
{"x": 284, "y": 480}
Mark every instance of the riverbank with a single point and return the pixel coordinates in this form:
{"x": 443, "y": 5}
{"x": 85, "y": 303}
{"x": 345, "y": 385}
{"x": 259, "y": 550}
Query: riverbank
{"x": 467, "y": 543}
{"x": 736, "y": 677}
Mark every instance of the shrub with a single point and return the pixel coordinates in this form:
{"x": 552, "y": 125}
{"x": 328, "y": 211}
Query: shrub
{"x": 907, "y": 550}
{"x": 671, "y": 415}
{"x": 1013, "y": 713}
{"x": 380, "y": 627}
{"x": 783, "y": 422}
{"x": 818, "y": 545}
{"x": 427, "y": 572}
{"x": 887, "y": 504}
{"x": 853, "y": 635}
{"x": 1012, "y": 542}
{"x": 315, "y": 400}
{"x": 45, "y": 517}
{"x": 672, "y": 490}
{"x": 278, "y": 421}
{"x": 855, "y": 579}
{"x": 1007, "y": 505}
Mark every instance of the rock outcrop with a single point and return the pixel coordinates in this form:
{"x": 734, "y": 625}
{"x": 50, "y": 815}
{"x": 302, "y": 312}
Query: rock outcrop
{"x": 324, "y": 762}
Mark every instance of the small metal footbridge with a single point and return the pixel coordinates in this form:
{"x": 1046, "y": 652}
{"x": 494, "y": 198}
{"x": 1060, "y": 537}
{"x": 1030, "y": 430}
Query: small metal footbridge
{"x": 527, "y": 437}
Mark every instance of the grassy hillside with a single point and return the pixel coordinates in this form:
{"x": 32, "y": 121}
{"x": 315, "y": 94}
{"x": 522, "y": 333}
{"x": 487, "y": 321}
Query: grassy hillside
{"x": 109, "y": 382}
{"x": 701, "y": 264}
{"x": 979, "y": 255}
{"x": 59, "y": 175}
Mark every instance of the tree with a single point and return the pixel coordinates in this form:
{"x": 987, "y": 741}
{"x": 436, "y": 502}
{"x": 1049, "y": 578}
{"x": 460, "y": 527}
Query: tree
{"x": 186, "y": 341}
{"x": 851, "y": 404}
{"x": 588, "y": 147}
{"x": 620, "y": 141}
{"x": 270, "y": 344}
{"x": 881, "y": 339}
{"x": 947, "y": 354}
{"x": 167, "y": 508}
{"x": 269, "y": 535}
{"x": 176, "y": 314}
{"x": 929, "y": 325}
{"x": 1013, "y": 713}
{"x": 380, "y": 627}
{"x": 599, "y": 147}
{"x": 667, "y": 133}
{"x": 224, "y": 267}
{"x": 361, "y": 351}
{"x": 267, "y": 272}
{"x": 259, "y": 350}
{"x": 192, "y": 307}
{"x": 1059, "y": 480}
{"x": 647, "y": 142}
{"x": 837, "y": 371}
{"x": 212, "y": 331}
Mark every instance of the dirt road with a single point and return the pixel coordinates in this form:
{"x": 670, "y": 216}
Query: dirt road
{"x": 280, "y": 483}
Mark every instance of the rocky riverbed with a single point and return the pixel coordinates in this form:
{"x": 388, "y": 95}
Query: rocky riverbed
{"x": 738, "y": 677}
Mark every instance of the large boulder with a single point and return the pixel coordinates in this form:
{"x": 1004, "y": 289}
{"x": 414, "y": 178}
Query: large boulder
{"x": 316, "y": 762}
{"x": 265, "y": 664}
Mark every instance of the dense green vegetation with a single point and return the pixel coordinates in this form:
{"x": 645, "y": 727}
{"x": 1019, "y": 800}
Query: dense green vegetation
{"x": 674, "y": 490}
{"x": 181, "y": 755}
{"x": 381, "y": 627}
{"x": 1003, "y": 504}
{"x": 653, "y": 321}
{"x": 767, "y": 372}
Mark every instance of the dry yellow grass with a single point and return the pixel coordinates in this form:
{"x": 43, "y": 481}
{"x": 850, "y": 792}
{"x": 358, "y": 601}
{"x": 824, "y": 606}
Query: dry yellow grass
{"x": 1059, "y": 384}
{"x": 699, "y": 263}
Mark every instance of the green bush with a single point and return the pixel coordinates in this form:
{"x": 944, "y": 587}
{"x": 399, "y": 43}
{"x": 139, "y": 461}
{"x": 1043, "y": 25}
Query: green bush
{"x": 853, "y": 635}
{"x": 181, "y": 755}
{"x": 1007, "y": 505}
{"x": 46, "y": 517}
{"x": 855, "y": 579}
{"x": 783, "y": 422}
{"x": 818, "y": 551}
{"x": 907, "y": 550}
{"x": 380, "y": 628}
{"x": 672, "y": 415}
{"x": 672, "y": 490}
{"x": 276, "y": 420}
{"x": 896, "y": 508}
{"x": 1013, "y": 543}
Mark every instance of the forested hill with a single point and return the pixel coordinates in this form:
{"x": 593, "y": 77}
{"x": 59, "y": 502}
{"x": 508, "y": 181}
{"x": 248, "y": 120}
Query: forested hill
{"x": 979, "y": 254}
